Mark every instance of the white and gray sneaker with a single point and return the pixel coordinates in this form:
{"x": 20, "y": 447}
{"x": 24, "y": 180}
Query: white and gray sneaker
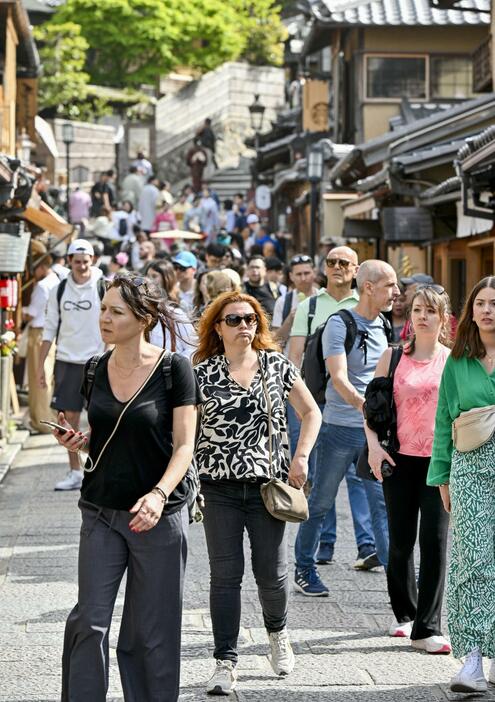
{"x": 223, "y": 680}
{"x": 72, "y": 481}
{"x": 282, "y": 659}
{"x": 470, "y": 678}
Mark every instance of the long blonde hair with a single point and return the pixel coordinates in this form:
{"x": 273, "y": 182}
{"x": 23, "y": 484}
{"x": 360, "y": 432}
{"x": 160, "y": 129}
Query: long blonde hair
{"x": 440, "y": 302}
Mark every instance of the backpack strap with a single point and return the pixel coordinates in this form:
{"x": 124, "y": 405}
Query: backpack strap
{"x": 351, "y": 329}
{"x": 60, "y": 291}
{"x": 387, "y": 328}
{"x": 394, "y": 360}
{"x": 101, "y": 287}
{"x": 287, "y": 305}
{"x": 89, "y": 378}
{"x": 311, "y": 313}
{"x": 167, "y": 369}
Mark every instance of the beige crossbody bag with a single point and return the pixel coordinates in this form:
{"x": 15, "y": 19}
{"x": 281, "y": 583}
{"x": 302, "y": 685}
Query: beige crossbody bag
{"x": 283, "y": 501}
{"x": 473, "y": 428}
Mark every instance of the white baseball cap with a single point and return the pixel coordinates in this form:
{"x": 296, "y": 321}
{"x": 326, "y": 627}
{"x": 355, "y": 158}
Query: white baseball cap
{"x": 80, "y": 246}
{"x": 252, "y": 219}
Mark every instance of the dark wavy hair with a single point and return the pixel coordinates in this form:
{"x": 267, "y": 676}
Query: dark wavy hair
{"x": 168, "y": 276}
{"x": 210, "y": 343}
{"x": 467, "y": 340}
{"x": 146, "y": 301}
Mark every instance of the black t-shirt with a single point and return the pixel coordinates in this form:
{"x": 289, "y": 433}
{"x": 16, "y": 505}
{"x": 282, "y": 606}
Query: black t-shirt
{"x": 262, "y": 293}
{"x": 138, "y": 454}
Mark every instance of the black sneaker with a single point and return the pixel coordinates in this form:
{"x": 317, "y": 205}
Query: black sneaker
{"x": 325, "y": 554}
{"x": 367, "y": 558}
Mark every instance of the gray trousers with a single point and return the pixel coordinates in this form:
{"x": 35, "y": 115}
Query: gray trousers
{"x": 148, "y": 649}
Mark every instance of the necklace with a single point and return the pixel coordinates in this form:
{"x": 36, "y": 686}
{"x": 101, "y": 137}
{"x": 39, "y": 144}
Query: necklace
{"x": 119, "y": 369}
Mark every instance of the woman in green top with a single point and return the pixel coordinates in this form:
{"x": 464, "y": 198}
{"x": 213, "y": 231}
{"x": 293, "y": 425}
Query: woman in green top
{"x": 467, "y": 488}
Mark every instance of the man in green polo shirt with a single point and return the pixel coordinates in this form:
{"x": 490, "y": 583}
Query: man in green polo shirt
{"x": 341, "y": 266}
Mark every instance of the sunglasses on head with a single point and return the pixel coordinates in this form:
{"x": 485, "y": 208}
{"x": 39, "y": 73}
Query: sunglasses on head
{"x": 302, "y": 258}
{"x": 136, "y": 281}
{"x": 340, "y": 262}
{"x": 431, "y": 286}
{"x": 233, "y": 320}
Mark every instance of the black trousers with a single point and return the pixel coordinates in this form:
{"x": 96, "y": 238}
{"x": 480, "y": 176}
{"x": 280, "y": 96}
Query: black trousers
{"x": 407, "y": 496}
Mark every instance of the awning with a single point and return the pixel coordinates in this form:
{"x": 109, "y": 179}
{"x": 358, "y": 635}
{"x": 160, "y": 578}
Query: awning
{"x": 361, "y": 206}
{"x": 46, "y": 218}
{"x": 45, "y": 133}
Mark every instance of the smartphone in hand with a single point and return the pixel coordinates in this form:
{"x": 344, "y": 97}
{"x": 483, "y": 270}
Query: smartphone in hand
{"x": 61, "y": 430}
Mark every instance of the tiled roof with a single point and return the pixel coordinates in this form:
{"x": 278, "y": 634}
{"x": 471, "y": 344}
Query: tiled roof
{"x": 399, "y": 12}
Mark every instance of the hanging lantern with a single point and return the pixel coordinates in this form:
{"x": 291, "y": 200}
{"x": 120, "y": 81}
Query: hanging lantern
{"x": 8, "y": 293}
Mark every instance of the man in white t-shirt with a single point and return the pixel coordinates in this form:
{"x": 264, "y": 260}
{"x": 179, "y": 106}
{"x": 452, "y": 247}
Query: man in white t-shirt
{"x": 72, "y": 319}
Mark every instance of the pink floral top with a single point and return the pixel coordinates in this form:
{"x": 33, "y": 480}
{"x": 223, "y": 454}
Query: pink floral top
{"x": 416, "y": 386}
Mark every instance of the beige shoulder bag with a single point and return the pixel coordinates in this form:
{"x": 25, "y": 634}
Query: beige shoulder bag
{"x": 473, "y": 428}
{"x": 283, "y": 501}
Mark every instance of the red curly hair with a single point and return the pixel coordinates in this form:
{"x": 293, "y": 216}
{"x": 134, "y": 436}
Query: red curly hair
{"x": 210, "y": 343}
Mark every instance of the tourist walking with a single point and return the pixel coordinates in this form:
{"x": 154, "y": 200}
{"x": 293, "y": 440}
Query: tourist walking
{"x": 133, "y": 505}
{"x": 341, "y": 267}
{"x": 236, "y": 366}
{"x": 72, "y": 323}
{"x": 417, "y": 605}
{"x": 465, "y": 472}
{"x": 342, "y": 435}
{"x": 148, "y": 203}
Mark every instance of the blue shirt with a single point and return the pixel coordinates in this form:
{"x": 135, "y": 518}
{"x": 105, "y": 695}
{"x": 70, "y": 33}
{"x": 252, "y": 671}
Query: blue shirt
{"x": 336, "y": 410}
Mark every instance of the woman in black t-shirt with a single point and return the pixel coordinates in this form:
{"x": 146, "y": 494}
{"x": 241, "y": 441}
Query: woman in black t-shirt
{"x": 133, "y": 504}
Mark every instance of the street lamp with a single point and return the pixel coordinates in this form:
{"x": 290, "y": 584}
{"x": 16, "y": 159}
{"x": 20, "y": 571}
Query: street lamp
{"x": 315, "y": 175}
{"x": 256, "y": 112}
{"x": 68, "y": 139}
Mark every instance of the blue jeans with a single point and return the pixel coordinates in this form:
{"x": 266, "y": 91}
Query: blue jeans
{"x": 361, "y": 518}
{"x": 338, "y": 447}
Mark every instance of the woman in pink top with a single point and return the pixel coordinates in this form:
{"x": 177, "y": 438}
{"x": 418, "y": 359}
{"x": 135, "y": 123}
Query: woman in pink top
{"x": 417, "y": 606}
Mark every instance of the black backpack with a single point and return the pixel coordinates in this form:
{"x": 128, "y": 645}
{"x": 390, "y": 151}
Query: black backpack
{"x": 194, "y": 498}
{"x": 313, "y": 369}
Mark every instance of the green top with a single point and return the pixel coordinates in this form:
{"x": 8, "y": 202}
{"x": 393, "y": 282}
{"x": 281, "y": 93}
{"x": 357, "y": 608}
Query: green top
{"x": 465, "y": 385}
{"x": 325, "y": 306}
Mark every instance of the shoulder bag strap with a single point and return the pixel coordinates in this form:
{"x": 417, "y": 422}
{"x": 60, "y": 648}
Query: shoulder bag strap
{"x": 127, "y": 405}
{"x": 269, "y": 411}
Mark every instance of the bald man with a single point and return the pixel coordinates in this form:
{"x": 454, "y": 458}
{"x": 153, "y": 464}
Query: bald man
{"x": 341, "y": 265}
{"x": 342, "y": 436}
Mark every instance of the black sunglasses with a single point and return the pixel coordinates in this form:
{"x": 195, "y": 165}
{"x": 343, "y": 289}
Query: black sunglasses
{"x": 340, "y": 262}
{"x": 178, "y": 267}
{"x": 301, "y": 258}
{"x": 233, "y": 320}
{"x": 431, "y": 286}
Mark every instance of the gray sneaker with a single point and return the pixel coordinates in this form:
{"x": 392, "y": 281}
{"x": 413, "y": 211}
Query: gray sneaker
{"x": 223, "y": 680}
{"x": 72, "y": 481}
{"x": 282, "y": 659}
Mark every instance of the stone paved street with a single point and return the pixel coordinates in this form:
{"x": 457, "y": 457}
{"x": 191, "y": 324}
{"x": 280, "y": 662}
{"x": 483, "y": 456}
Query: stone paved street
{"x": 341, "y": 651}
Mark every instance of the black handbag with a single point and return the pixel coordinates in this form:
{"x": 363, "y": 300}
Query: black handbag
{"x": 380, "y": 414}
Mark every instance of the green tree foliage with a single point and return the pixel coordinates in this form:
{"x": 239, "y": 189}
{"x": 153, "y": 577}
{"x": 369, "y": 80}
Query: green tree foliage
{"x": 132, "y": 42}
{"x": 63, "y": 86}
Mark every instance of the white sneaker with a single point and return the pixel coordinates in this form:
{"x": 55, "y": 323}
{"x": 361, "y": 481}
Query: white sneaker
{"x": 432, "y": 644}
{"x": 72, "y": 481}
{"x": 491, "y": 672}
{"x": 402, "y": 630}
{"x": 223, "y": 680}
{"x": 282, "y": 659}
{"x": 470, "y": 678}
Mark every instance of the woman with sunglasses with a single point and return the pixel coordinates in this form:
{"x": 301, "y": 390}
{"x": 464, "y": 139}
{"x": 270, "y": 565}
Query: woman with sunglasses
{"x": 467, "y": 487}
{"x": 416, "y": 605}
{"x": 133, "y": 505}
{"x": 235, "y": 357}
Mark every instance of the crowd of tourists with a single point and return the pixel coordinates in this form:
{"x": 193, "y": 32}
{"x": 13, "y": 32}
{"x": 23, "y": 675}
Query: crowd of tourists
{"x": 225, "y": 335}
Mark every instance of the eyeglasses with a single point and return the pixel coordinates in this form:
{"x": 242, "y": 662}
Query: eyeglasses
{"x": 340, "y": 262}
{"x": 233, "y": 320}
{"x": 302, "y": 258}
{"x": 431, "y": 286}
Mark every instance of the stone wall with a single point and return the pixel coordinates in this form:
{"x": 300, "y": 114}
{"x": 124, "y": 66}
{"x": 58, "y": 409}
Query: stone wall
{"x": 223, "y": 95}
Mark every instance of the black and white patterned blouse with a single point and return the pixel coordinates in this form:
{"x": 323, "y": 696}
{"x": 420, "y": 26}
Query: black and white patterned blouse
{"x": 233, "y": 436}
